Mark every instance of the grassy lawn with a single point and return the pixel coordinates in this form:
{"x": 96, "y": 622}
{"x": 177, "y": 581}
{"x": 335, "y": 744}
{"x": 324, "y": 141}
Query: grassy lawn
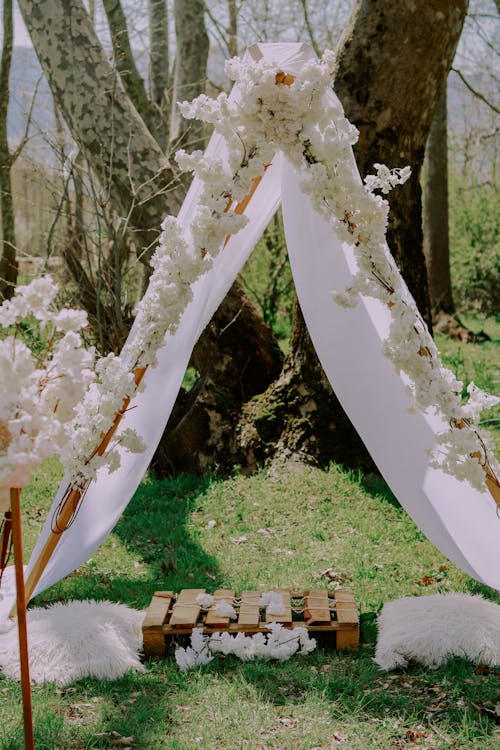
{"x": 284, "y": 531}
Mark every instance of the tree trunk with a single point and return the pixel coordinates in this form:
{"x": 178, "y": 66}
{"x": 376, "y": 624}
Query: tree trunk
{"x": 133, "y": 82}
{"x": 232, "y": 30}
{"x": 393, "y": 67}
{"x": 191, "y": 65}
{"x": 8, "y": 260}
{"x": 436, "y": 233}
{"x": 125, "y": 156}
{"x": 393, "y": 62}
{"x": 159, "y": 68}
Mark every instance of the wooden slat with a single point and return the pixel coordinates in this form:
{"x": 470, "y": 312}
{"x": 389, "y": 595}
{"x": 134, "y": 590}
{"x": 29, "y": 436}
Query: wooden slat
{"x": 152, "y": 633}
{"x": 345, "y": 607}
{"x": 317, "y": 607}
{"x": 157, "y": 610}
{"x": 249, "y": 614}
{"x": 348, "y": 619}
{"x": 286, "y": 618}
{"x": 185, "y": 611}
{"x": 214, "y": 620}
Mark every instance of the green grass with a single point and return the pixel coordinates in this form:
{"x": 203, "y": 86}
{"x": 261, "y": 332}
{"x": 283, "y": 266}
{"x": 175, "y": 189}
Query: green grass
{"x": 296, "y": 527}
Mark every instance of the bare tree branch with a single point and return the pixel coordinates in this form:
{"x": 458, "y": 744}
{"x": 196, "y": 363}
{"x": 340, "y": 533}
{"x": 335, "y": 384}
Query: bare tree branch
{"x": 474, "y": 91}
{"x": 25, "y": 138}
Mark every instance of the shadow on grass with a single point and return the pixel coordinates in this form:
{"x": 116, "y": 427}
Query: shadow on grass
{"x": 153, "y": 529}
{"x": 147, "y": 706}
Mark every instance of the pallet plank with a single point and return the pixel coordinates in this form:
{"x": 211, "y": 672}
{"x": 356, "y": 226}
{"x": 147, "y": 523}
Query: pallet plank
{"x": 213, "y": 619}
{"x": 249, "y": 614}
{"x": 348, "y": 619}
{"x": 152, "y": 633}
{"x": 317, "y": 607}
{"x": 186, "y": 611}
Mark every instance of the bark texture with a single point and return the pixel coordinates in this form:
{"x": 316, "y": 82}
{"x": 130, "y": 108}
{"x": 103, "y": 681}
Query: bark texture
{"x": 159, "y": 68}
{"x": 393, "y": 65}
{"x": 8, "y": 260}
{"x": 393, "y": 61}
{"x": 298, "y": 420}
{"x": 133, "y": 82}
{"x": 128, "y": 161}
{"x": 190, "y": 65}
{"x": 436, "y": 227}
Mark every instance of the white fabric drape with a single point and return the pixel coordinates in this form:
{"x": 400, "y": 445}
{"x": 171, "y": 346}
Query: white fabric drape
{"x": 460, "y": 521}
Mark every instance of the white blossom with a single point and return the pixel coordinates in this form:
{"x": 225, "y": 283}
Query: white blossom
{"x": 273, "y": 602}
{"x": 40, "y": 391}
{"x": 271, "y": 112}
{"x": 205, "y": 600}
{"x": 224, "y": 609}
{"x": 279, "y": 643}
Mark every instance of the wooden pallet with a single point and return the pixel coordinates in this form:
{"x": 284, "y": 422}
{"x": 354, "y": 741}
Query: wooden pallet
{"x": 320, "y": 611}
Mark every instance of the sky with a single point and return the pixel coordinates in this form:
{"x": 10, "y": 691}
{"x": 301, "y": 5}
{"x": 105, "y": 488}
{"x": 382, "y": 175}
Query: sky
{"x": 21, "y": 36}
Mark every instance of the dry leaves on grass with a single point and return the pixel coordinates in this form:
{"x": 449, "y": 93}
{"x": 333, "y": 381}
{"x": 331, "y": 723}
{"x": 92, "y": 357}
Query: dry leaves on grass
{"x": 238, "y": 539}
{"x": 335, "y": 577}
{"x": 117, "y": 740}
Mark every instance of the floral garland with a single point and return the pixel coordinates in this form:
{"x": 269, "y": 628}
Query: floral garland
{"x": 42, "y": 388}
{"x": 261, "y": 121}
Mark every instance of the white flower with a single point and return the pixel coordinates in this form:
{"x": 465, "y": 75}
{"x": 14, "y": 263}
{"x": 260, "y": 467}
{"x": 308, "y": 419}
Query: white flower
{"x": 273, "y": 602}
{"x": 224, "y": 609}
{"x": 205, "y": 600}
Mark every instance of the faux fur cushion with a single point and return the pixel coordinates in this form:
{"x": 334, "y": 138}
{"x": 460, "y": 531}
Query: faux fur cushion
{"x": 76, "y": 639}
{"x": 431, "y": 629}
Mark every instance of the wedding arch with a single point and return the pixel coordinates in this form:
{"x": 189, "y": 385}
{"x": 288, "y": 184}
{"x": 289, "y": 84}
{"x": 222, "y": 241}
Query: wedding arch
{"x": 281, "y": 136}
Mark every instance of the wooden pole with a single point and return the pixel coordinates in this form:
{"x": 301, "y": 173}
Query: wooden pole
{"x": 15, "y": 507}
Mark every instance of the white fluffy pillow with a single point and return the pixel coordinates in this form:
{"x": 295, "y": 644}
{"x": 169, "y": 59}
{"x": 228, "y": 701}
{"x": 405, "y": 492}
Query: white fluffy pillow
{"x": 76, "y": 639}
{"x": 431, "y": 629}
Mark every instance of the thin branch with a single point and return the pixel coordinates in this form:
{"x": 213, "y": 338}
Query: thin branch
{"x": 307, "y": 22}
{"x": 24, "y": 140}
{"x": 473, "y": 90}
{"x": 218, "y": 27}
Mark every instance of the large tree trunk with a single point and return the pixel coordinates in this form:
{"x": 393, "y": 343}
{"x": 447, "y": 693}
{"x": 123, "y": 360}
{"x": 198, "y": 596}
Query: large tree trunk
{"x": 393, "y": 62}
{"x": 8, "y": 260}
{"x": 436, "y": 226}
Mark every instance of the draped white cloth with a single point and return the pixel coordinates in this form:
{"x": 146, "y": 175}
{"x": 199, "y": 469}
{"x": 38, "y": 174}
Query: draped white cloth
{"x": 460, "y": 521}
